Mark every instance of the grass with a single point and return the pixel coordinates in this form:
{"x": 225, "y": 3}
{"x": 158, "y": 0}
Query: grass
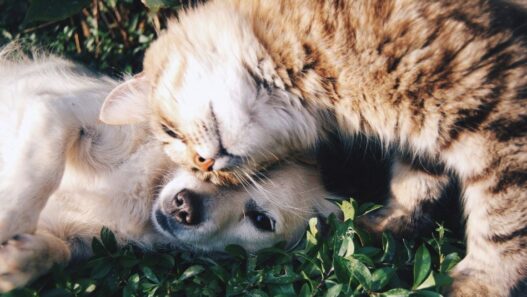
{"x": 110, "y": 36}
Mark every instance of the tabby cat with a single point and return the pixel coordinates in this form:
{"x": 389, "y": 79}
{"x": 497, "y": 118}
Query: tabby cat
{"x": 234, "y": 86}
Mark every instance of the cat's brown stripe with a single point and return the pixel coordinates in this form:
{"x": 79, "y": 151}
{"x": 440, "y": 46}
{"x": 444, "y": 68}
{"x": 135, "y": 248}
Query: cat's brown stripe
{"x": 506, "y": 129}
{"x": 516, "y": 178}
{"x": 514, "y": 235}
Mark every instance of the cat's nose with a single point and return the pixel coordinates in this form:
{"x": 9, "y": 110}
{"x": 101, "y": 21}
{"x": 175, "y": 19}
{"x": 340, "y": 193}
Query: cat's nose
{"x": 185, "y": 208}
{"x": 203, "y": 164}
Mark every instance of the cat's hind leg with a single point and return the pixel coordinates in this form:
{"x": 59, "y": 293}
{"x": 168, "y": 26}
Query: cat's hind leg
{"x": 413, "y": 190}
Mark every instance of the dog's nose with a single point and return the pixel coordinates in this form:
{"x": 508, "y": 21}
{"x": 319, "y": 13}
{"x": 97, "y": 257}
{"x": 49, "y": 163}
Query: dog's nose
{"x": 185, "y": 208}
{"x": 203, "y": 164}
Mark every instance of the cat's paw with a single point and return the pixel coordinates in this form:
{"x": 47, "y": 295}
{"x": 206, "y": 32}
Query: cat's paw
{"x": 399, "y": 222}
{"x": 386, "y": 219}
{"x": 468, "y": 286}
{"x": 22, "y": 259}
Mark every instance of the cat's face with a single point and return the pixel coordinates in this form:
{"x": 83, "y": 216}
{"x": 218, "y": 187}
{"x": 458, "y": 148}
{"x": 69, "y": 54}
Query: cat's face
{"x": 217, "y": 120}
{"x": 221, "y": 111}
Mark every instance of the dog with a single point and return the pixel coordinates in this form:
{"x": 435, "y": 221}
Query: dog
{"x": 64, "y": 175}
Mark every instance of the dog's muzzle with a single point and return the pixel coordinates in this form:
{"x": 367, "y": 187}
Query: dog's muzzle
{"x": 184, "y": 209}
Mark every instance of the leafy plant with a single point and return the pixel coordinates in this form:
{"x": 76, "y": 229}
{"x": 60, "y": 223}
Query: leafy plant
{"x": 342, "y": 261}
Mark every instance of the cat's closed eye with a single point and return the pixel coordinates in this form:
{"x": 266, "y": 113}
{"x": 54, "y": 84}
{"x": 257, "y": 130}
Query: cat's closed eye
{"x": 170, "y": 132}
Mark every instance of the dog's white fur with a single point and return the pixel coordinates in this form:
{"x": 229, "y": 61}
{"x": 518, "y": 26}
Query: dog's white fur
{"x": 59, "y": 161}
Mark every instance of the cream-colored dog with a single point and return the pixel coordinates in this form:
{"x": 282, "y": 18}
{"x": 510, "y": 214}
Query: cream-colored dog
{"x": 64, "y": 175}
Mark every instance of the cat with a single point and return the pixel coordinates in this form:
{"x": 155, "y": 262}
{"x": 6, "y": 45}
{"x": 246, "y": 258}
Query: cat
{"x": 233, "y": 86}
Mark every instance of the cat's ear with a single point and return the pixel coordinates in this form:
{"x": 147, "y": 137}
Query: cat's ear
{"x": 127, "y": 103}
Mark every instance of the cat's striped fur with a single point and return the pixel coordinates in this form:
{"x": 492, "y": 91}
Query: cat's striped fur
{"x": 443, "y": 80}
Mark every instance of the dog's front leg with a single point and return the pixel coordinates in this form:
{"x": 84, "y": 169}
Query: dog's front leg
{"x": 28, "y": 256}
{"x": 33, "y": 162}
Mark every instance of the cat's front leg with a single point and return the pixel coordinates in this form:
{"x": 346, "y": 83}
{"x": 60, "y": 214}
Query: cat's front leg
{"x": 26, "y": 257}
{"x": 496, "y": 260}
{"x": 33, "y": 160}
{"x": 412, "y": 189}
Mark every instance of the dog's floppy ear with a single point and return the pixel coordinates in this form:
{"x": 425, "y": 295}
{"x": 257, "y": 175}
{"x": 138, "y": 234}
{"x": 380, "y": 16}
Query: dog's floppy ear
{"x": 127, "y": 103}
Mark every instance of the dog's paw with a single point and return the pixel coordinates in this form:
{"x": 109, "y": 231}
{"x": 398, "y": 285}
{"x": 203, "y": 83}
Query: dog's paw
{"x": 16, "y": 222}
{"x": 22, "y": 259}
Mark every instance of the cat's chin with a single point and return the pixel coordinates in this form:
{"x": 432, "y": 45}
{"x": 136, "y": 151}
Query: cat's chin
{"x": 241, "y": 175}
{"x": 220, "y": 178}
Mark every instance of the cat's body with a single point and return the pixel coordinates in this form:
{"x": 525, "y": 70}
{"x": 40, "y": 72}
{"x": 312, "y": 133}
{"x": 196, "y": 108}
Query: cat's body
{"x": 239, "y": 84}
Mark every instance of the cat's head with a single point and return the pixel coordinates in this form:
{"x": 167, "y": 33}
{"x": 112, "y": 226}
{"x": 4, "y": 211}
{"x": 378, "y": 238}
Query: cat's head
{"x": 211, "y": 93}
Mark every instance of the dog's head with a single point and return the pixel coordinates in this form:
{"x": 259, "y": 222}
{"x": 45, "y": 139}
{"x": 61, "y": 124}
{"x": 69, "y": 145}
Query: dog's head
{"x": 201, "y": 216}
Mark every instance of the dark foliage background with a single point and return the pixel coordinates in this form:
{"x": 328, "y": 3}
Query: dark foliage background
{"x": 107, "y": 35}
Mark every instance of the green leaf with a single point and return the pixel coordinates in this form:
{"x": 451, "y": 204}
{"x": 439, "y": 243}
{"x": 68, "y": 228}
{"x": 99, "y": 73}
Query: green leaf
{"x": 425, "y": 293}
{"x": 348, "y": 209}
{"x": 305, "y": 291}
{"x": 389, "y": 247}
{"x": 409, "y": 251}
{"x": 442, "y": 279}
{"x": 342, "y": 271}
{"x": 449, "y": 262}
{"x": 313, "y": 222}
{"x": 53, "y": 10}
{"x": 98, "y": 248}
{"x": 347, "y": 247}
{"x": 312, "y": 231}
{"x": 158, "y": 4}
{"x": 56, "y": 292}
{"x": 396, "y": 293}
{"x": 150, "y": 275}
{"x": 128, "y": 261}
{"x": 101, "y": 270}
{"x": 428, "y": 282}
{"x": 191, "y": 271}
{"x": 282, "y": 289}
{"x": 381, "y": 277}
{"x": 367, "y": 208}
{"x": 360, "y": 272}
{"x": 363, "y": 258}
{"x": 236, "y": 251}
{"x": 422, "y": 265}
{"x": 108, "y": 240}
{"x": 365, "y": 237}
{"x": 369, "y": 251}
{"x": 257, "y": 293}
{"x": 333, "y": 291}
